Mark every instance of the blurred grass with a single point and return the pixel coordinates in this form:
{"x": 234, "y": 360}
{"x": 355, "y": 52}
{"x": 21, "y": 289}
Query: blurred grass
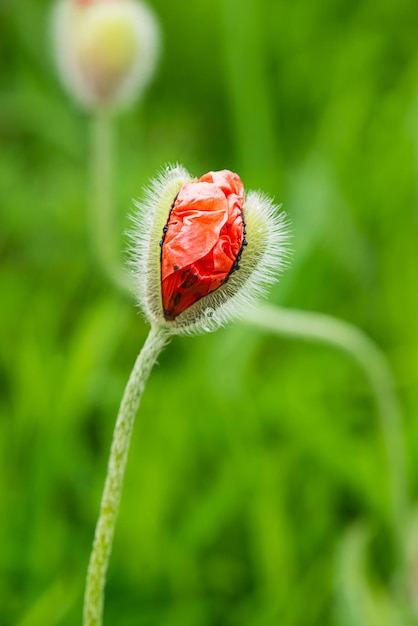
{"x": 252, "y": 456}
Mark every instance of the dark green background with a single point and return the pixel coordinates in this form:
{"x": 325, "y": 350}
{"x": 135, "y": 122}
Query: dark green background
{"x": 253, "y": 455}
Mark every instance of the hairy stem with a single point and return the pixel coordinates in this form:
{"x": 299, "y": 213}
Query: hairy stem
{"x": 103, "y": 226}
{"x": 326, "y": 329}
{"x": 105, "y": 528}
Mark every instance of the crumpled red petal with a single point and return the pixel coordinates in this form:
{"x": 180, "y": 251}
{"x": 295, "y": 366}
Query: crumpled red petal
{"x": 203, "y": 239}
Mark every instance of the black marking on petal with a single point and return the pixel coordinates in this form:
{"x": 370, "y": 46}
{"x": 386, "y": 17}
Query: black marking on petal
{"x": 178, "y": 296}
{"x": 165, "y": 228}
{"x": 169, "y": 314}
{"x": 190, "y": 279}
{"x": 236, "y": 265}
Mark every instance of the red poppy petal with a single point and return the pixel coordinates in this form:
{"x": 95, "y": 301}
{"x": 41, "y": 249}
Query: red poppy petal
{"x": 195, "y": 222}
{"x": 229, "y": 182}
{"x": 203, "y": 240}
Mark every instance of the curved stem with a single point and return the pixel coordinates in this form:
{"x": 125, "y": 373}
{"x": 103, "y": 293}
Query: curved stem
{"x": 102, "y": 224}
{"x": 326, "y": 329}
{"x": 102, "y": 544}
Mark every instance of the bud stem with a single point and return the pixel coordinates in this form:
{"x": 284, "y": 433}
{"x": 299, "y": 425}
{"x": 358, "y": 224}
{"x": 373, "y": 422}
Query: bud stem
{"x": 326, "y": 329}
{"x": 102, "y": 544}
{"x": 102, "y": 216}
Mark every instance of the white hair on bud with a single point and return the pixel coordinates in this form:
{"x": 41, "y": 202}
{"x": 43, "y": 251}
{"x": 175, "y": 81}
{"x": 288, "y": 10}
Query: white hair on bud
{"x": 148, "y": 221}
{"x": 263, "y": 260}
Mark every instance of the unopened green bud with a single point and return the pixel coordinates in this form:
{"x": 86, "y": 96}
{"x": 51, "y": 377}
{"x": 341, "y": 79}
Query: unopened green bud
{"x": 106, "y": 50}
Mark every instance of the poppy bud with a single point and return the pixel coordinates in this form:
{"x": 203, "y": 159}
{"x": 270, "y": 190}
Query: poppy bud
{"x": 203, "y": 250}
{"x": 106, "y": 50}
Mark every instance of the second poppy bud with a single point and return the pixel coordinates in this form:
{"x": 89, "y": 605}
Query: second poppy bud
{"x": 106, "y": 50}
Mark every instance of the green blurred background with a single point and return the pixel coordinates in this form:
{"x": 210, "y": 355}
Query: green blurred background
{"x": 257, "y": 472}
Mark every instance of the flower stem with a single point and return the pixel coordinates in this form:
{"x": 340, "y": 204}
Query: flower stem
{"x": 102, "y": 216}
{"x": 102, "y": 544}
{"x": 326, "y": 329}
